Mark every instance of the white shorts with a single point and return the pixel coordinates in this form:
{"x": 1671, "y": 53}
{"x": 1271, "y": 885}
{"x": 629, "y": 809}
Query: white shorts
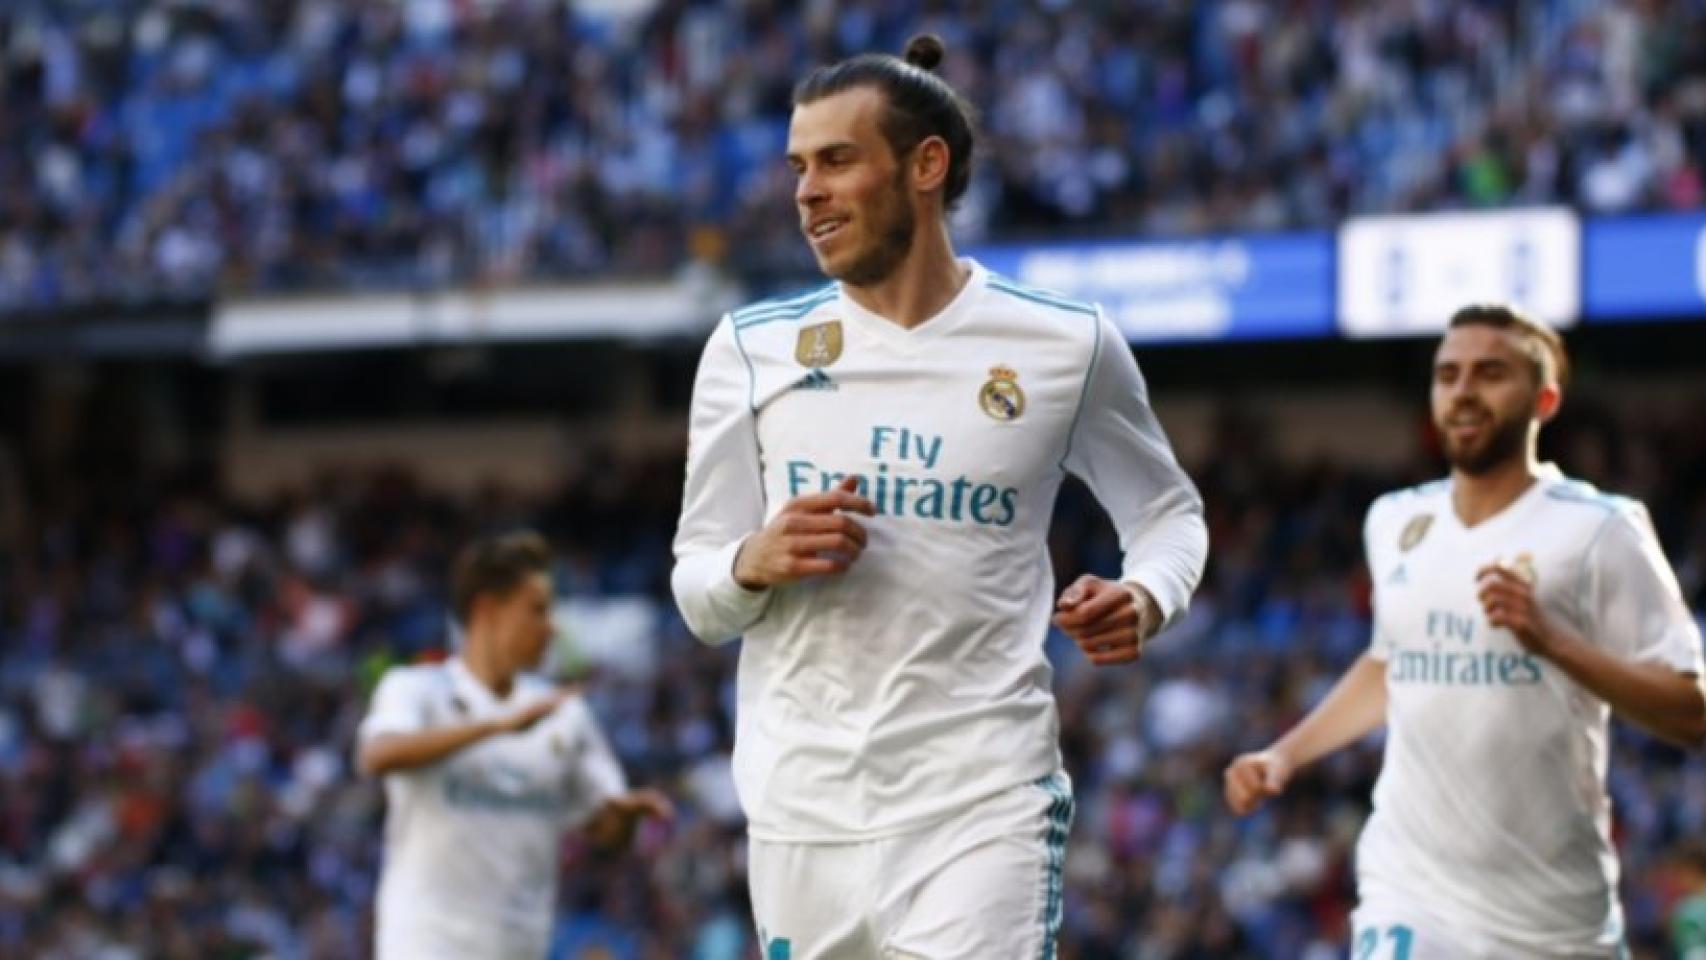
{"x": 1383, "y": 929}
{"x": 983, "y": 885}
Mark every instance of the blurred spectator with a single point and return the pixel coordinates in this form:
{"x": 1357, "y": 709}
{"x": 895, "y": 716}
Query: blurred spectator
{"x": 174, "y": 755}
{"x": 162, "y": 149}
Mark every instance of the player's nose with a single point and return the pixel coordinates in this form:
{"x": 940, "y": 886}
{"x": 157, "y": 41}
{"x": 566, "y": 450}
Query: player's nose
{"x": 809, "y": 190}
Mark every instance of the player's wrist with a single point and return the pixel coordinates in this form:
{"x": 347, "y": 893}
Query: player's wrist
{"x": 1149, "y": 617}
{"x": 1552, "y": 642}
{"x": 740, "y": 569}
{"x": 1280, "y": 755}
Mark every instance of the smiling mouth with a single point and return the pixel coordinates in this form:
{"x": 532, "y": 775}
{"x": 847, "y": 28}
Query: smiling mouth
{"x": 824, "y": 229}
{"x": 1467, "y": 427}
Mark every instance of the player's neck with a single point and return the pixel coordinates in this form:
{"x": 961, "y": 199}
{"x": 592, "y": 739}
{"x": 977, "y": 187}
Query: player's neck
{"x": 1476, "y": 497}
{"x": 482, "y": 662}
{"x": 921, "y": 287}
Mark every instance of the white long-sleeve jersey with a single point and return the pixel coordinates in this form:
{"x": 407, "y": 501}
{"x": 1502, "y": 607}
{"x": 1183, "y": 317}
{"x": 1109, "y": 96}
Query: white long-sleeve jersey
{"x": 914, "y": 684}
{"x": 1491, "y": 809}
{"x": 473, "y": 843}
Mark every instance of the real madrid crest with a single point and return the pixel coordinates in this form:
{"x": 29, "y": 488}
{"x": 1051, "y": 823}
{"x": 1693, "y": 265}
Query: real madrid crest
{"x": 819, "y": 345}
{"x": 1001, "y": 397}
{"x": 1415, "y": 530}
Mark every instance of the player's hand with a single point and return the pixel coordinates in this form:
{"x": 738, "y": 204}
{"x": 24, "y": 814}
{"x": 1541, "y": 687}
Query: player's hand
{"x": 815, "y": 535}
{"x": 1254, "y": 777}
{"x": 1507, "y": 597}
{"x": 529, "y": 715}
{"x": 612, "y": 825}
{"x": 1108, "y": 620}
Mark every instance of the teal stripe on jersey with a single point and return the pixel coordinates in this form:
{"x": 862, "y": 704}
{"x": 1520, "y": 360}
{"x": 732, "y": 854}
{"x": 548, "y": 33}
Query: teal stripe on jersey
{"x": 1084, "y": 391}
{"x": 794, "y": 309}
{"x": 1043, "y": 297}
{"x": 1576, "y": 491}
{"x": 1058, "y": 822}
{"x": 751, "y": 375}
{"x": 782, "y": 303}
{"x": 1050, "y": 297}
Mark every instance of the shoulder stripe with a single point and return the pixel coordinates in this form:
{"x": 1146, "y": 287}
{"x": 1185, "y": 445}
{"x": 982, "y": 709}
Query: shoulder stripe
{"x": 1084, "y": 391}
{"x": 751, "y": 374}
{"x": 784, "y": 303}
{"x": 1577, "y": 492}
{"x": 1045, "y": 297}
{"x": 769, "y": 310}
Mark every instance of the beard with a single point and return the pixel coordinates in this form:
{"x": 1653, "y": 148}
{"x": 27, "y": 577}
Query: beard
{"x": 895, "y": 227}
{"x": 1504, "y": 442}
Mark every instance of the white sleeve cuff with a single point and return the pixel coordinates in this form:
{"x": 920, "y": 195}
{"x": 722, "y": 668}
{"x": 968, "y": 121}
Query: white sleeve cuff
{"x": 716, "y": 607}
{"x": 1170, "y": 595}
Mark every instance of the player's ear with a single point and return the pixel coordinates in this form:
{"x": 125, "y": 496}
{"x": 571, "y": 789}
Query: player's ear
{"x": 1548, "y": 401}
{"x": 929, "y": 162}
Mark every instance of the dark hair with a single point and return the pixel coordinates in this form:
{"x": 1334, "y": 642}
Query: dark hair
{"x": 495, "y": 565}
{"x": 920, "y": 103}
{"x": 1545, "y": 348}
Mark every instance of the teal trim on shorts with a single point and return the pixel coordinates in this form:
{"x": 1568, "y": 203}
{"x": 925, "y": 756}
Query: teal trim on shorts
{"x": 1058, "y": 822}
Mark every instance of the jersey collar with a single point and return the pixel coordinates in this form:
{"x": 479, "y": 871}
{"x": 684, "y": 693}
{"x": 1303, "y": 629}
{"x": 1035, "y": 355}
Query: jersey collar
{"x": 911, "y": 340}
{"x": 479, "y": 698}
{"x": 1548, "y": 475}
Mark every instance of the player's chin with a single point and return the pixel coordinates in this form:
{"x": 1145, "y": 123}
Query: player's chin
{"x": 830, "y": 265}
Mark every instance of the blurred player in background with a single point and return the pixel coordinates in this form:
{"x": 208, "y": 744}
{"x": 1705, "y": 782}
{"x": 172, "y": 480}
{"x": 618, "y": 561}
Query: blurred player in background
{"x": 485, "y": 769}
{"x": 1512, "y": 608}
{"x": 871, "y": 475}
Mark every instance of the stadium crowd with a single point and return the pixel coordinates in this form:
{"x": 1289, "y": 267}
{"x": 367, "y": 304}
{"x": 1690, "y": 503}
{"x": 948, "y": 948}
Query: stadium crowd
{"x": 174, "y": 148}
{"x": 181, "y": 675}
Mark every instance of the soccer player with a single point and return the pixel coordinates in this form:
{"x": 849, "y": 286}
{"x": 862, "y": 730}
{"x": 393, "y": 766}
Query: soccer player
{"x": 871, "y": 473}
{"x": 1512, "y": 608}
{"x": 485, "y": 769}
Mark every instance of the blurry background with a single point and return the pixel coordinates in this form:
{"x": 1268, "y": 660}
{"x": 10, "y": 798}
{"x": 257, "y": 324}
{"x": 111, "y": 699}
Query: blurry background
{"x": 296, "y": 295}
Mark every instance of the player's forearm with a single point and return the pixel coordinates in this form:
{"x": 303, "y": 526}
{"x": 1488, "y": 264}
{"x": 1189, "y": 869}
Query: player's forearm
{"x": 715, "y": 607}
{"x": 1354, "y": 708}
{"x": 1168, "y": 560}
{"x": 1653, "y": 696}
{"x": 395, "y": 752}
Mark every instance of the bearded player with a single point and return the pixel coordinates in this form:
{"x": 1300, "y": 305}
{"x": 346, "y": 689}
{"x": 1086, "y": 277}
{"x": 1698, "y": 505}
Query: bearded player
{"x": 871, "y": 473}
{"x": 1514, "y": 610}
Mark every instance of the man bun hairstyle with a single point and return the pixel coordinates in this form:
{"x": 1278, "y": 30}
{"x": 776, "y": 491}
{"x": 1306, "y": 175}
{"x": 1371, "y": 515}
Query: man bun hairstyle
{"x": 924, "y": 51}
{"x": 1545, "y": 348}
{"x": 495, "y": 565}
{"x": 920, "y": 103}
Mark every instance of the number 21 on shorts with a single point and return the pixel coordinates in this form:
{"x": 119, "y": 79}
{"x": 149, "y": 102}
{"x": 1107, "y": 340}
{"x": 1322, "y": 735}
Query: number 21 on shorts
{"x": 1368, "y": 942}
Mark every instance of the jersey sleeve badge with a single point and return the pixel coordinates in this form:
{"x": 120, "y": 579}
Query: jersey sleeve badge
{"x": 819, "y": 345}
{"x": 1414, "y": 531}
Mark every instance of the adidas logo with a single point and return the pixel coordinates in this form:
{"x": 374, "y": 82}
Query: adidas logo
{"x": 816, "y": 380}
